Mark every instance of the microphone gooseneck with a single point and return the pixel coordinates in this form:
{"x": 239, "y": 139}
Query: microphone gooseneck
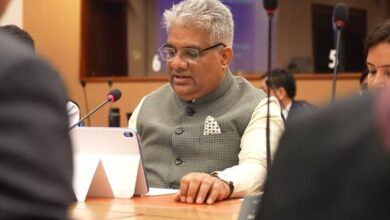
{"x": 112, "y": 96}
{"x": 110, "y": 82}
{"x": 270, "y": 6}
{"x": 340, "y": 18}
{"x": 84, "y": 84}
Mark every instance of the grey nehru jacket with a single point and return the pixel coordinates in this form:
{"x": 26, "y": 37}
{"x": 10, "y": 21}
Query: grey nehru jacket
{"x": 171, "y": 130}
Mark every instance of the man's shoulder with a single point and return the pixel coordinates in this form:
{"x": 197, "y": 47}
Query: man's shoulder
{"x": 162, "y": 90}
{"x": 16, "y": 54}
{"x": 338, "y": 114}
{"x": 242, "y": 81}
{"x": 248, "y": 88}
{"x": 11, "y": 48}
{"x": 303, "y": 104}
{"x": 162, "y": 93}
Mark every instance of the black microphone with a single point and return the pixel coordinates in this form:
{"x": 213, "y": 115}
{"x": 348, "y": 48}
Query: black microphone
{"x": 340, "y": 18}
{"x": 270, "y": 6}
{"x": 113, "y": 113}
{"x": 112, "y": 96}
{"x": 340, "y": 15}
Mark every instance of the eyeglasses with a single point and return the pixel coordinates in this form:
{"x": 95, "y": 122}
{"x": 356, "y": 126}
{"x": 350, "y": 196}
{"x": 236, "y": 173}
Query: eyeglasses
{"x": 188, "y": 54}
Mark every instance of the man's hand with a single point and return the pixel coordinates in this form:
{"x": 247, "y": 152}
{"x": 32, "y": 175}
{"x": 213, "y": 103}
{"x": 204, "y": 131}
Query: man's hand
{"x": 200, "y": 188}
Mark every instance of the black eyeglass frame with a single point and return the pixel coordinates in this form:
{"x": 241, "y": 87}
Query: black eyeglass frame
{"x": 199, "y": 51}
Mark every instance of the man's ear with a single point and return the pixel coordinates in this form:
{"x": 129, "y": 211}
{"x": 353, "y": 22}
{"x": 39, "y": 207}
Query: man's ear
{"x": 227, "y": 56}
{"x": 281, "y": 93}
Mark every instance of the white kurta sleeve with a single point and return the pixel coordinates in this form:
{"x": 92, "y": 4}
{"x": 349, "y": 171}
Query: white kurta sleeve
{"x": 249, "y": 175}
{"x": 133, "y": 119}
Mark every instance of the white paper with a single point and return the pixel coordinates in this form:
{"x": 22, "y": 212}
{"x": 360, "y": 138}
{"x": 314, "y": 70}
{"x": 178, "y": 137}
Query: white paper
{"x": 160, "y": 191}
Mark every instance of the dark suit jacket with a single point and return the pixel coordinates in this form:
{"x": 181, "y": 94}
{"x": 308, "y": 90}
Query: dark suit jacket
{"x": 332, "y": 165}
{"x": 36, "y": 157}
{"x": 299, "y": 107}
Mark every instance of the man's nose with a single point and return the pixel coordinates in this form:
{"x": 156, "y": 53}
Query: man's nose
{"x": 178, "y": 62}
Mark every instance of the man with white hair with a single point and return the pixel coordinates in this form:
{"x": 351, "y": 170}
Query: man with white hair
{"x": 205, "y": 132}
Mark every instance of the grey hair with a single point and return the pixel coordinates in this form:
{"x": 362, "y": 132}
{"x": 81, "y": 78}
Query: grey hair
{"x": 209, "y": 15}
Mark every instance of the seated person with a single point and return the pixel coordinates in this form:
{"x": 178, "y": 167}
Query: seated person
{"x": 283, "y": 87}
{"x": 205, "y": 132}
{"x": 36, "y": 165}
{"x": 24, "y": 37}
{"x": 334, "y": 164}
{"x": 377, "y": 48}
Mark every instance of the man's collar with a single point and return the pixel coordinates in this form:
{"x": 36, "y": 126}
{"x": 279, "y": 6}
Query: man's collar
{"x": 222, "y": 88}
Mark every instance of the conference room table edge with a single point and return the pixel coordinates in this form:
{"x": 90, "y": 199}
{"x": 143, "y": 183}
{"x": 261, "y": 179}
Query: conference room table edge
{"x": 152, "y": 207}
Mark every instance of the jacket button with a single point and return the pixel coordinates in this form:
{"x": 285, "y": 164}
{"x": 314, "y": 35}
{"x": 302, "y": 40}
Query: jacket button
{"x": 179, "y": 131}
{"x": 178, "y": 161}
{"x": 190, "y": 111}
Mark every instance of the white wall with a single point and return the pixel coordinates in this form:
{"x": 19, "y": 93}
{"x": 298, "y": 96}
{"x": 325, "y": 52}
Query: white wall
{"x": 13, "y": 14}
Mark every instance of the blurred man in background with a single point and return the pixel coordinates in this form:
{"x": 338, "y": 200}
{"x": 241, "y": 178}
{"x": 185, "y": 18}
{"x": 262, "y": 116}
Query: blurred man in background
{"x": 24, "y": 37}
{"x": 36, "y": 166}
{"x": 335, "y": 164}
{"x": 283, "y": 87}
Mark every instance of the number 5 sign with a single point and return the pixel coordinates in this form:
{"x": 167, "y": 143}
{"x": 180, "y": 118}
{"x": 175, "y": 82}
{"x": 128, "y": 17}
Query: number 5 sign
{"x": 332, "y": 58}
